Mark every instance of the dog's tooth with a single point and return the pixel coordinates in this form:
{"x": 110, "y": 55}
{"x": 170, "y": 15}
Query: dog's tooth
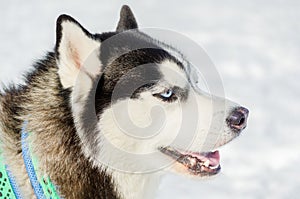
{"x": 193, "y": 161}
{"x": 214, "y": 167}
{"x": 206, "y": 163}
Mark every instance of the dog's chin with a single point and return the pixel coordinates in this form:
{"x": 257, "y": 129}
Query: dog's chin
{"x": 194, "y": 164}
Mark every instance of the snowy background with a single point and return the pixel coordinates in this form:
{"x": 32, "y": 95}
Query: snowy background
{"x": 255, "y": 46}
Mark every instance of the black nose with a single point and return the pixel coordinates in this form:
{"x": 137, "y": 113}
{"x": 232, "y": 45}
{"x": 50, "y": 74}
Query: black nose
{"x": 237, "y": 120}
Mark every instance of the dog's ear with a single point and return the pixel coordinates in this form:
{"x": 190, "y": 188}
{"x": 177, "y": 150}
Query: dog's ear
{"x": 127, "y": 20}
{"x": 75, "y": 47}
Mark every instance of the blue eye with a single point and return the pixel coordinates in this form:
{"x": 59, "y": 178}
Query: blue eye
{"x": 167, "y": 94}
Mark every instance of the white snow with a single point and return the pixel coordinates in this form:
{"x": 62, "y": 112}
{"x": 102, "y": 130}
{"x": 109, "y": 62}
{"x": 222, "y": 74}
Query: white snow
{"x": 255, "y": 46}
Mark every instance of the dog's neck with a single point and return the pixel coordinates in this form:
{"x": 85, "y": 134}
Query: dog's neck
{"x": 136, "y": 186}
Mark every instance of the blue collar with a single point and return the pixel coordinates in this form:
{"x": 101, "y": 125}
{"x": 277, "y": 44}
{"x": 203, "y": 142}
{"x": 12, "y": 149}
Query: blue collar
{"x": 41, "y": 184}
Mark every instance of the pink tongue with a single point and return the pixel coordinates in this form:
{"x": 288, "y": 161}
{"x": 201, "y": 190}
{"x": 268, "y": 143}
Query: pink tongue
{"x": 213, "y": 157}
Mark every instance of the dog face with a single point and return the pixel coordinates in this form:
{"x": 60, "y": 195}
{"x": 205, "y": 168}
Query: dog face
{"x": 136, "y": 103}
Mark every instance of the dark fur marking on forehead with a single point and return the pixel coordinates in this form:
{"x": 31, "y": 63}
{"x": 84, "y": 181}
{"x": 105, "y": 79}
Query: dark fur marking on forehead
{"x": 114, "y": 44}
{"x": 122, "y": 55}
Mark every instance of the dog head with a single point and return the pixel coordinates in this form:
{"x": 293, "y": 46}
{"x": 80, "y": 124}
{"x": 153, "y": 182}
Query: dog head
{"x": 136, "y": 103}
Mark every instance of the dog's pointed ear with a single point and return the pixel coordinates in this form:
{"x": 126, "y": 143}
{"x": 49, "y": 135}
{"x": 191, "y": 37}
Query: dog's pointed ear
{"x": 127, "y": 20}
{"x": 74, "y": 45}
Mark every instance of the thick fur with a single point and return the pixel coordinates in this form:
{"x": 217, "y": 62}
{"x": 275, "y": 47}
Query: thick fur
{"x": 74, "y": 114}
{"x": 45, "y": 105}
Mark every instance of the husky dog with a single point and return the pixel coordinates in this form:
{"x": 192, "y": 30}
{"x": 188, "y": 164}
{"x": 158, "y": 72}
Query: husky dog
{"x": 94, "y": 112}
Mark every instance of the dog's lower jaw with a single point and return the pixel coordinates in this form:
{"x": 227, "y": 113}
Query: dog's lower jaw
{"x": 136, "y": 186}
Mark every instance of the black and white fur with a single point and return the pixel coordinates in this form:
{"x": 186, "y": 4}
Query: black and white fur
{"x": 70, "y": 105}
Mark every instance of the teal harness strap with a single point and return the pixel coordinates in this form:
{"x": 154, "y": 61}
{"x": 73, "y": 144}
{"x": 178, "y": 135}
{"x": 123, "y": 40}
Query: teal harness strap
{"x": 42, "y": 185}
{"x": 8, "y": 186}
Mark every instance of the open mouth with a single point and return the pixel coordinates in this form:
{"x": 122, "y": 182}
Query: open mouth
{"x": 200, "y": 164}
